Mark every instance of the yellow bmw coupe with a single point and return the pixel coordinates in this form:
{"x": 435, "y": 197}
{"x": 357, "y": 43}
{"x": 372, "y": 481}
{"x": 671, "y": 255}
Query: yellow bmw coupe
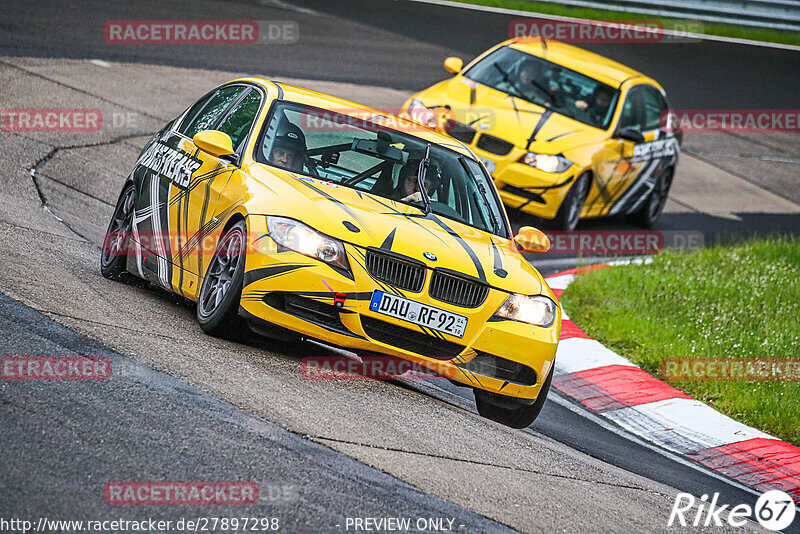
{"x": 289, "y": 212}
{"x": 565, "y": 133}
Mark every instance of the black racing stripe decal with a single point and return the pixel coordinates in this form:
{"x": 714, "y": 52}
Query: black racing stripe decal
{"x": 193, "y": 242}
{"x": 356, "y": 295}
{"x": 603, "y": 195}
{"x": 466, "y": 375}
{"x": 387, "y": 243}
{"x": 470, "y": 123}
{"x": 185, "y": 216}
{"x": 198, "y": 180}
{"x": 542, "y": 120}
{"x": 559, "y": 136}
{"x": 474, "y": 377}
{"x": 179, "y": 237}
{"x": 408, "y": 216}
{"x": 344, "y": 272}
{"x": 638, "y": 182}
{"x": 613, "y": 197}
{"x": 464, "y": 245}
{"x": 203, "y": 214}
{"x": 338, "y": 203}
{"x": 271, "y": 271}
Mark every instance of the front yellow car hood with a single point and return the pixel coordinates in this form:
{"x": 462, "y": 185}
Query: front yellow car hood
{"x": 403, "y": 229}
{"x": 509, "y": 118}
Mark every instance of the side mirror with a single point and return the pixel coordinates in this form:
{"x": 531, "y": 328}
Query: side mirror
{"x": 630, "y": 133}
{"x": 529, "y": 239}
{"x": 214, "y": 142}
{"x": 453, "y": 65}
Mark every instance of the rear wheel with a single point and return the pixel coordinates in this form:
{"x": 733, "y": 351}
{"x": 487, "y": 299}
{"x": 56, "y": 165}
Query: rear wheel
{"x": 570, "y": 211}
{"x": 653, "y": 206}
{"x": 218, "y": 305}
{"x": 520, "y": 416}
{"x": 114, "y": 254}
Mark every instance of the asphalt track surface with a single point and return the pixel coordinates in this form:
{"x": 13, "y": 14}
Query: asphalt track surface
{"x": 190, "y": 422}
{"x": 218, "y": 442}
{"x": 388, "y": 43}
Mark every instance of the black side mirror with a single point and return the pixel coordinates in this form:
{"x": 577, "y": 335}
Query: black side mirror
{"x": 630, "y": 133}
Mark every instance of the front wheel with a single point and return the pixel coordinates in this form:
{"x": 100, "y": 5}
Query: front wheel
{"x": 218, "y": 305}
{"x": 570, "y": 211}
{"x": 520, "y": 416}
{"x": 114, "y": 254}
{"x": 649, "y": 213}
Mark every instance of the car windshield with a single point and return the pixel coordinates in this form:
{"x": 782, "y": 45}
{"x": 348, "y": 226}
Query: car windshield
{"x": 360, "y": 151}
{"x": 547, "y": 84}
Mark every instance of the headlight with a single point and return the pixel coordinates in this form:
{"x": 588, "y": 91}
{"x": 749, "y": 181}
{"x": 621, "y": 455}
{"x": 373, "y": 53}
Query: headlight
{"x": 538, "y": 310}
{"x": 418, "y": 112}
{"x": 297, "y": 236}
{"x": 546, "y": 162}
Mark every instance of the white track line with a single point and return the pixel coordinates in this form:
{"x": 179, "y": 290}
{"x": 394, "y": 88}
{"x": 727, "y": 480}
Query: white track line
{"x": 532, "y": 14}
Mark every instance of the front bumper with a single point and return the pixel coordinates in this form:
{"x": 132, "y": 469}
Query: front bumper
{"x": 526, "y": 188}
{"x": 299, "y": 293}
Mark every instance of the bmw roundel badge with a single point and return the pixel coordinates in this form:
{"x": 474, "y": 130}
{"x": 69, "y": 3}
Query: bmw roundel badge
{"x": 429, "y": 256}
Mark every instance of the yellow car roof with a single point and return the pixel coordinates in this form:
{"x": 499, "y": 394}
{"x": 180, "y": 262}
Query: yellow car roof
{"x": 594, "y": 65}
{"x": 325, "y": 101}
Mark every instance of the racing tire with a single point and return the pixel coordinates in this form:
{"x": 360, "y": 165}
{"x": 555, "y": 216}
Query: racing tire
{"x": 520, "y": 416}
{"x": 221, "y": 292}
{"x": 653, "y": 206}
{"x": 114, "y": 254}
{"x": 570, "y": 211}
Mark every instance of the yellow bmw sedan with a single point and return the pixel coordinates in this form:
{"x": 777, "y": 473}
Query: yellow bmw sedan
{"x": 565, "y": 133}
{"x": 293, "y": 213}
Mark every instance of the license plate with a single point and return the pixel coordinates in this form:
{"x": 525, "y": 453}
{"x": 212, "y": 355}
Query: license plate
{"x": 489, "y": 164}
{"x": 418, "y": 313}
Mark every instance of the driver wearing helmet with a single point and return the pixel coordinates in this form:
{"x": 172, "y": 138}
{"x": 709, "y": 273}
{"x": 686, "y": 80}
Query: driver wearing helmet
{"x": 408, "y": 186}
{"x": 288, "y": 149}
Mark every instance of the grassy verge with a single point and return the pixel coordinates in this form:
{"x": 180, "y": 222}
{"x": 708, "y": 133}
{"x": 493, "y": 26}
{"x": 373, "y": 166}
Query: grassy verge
{"x": 709, "y": 28}
{"x": 741, "y": 301}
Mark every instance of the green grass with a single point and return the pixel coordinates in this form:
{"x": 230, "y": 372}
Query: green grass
{"x": 739, "y": 301}
{"x": 725, "y": 30}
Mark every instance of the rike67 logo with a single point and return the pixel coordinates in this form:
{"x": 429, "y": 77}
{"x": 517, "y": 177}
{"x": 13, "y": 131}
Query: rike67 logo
{"x": 774, "y": 510}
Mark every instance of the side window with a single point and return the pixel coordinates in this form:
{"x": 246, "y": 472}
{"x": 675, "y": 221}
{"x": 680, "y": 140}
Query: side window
{"x": 654, "y": 108}
{"x": 216, "y": 106}
{"x": 631, "y": 110}
{"x": 240, "y": 119}
{"x": 193, "y": 111}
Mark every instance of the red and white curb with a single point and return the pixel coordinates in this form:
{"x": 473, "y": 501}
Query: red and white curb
{"x": 616, "y": 389}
